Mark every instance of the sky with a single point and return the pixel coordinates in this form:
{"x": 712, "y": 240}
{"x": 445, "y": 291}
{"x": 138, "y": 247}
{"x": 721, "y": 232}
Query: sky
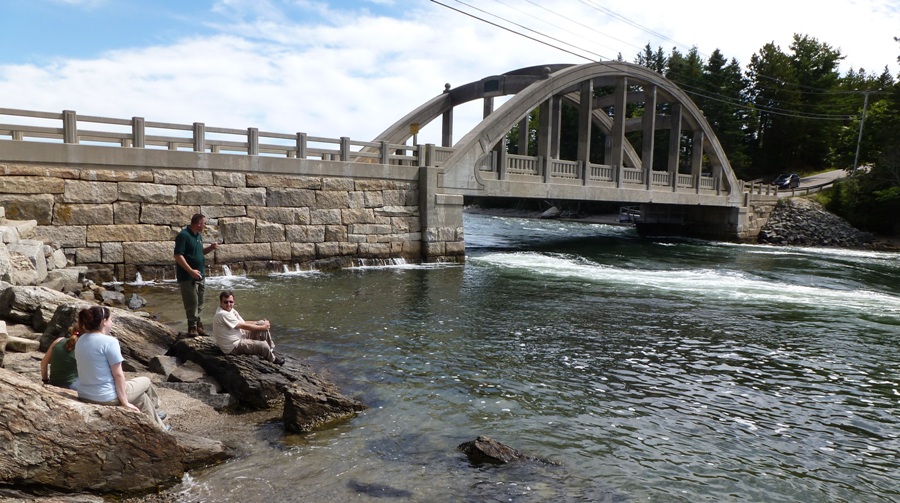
{"x": 353, "y": 68}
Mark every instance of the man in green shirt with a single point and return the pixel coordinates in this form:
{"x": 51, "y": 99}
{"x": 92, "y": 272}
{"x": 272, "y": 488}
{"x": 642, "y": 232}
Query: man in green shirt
{"x": 190, "y": 271}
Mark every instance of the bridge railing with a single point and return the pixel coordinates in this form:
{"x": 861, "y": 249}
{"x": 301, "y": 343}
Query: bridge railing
{"x": 600, "y": 172}
{"x": 565, "y": 169}
{"x": 71, "y": 128}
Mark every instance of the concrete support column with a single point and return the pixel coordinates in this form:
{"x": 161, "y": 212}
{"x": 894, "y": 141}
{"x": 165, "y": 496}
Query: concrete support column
{"x": 440, "y": 216}
{"x": 648, "y": 133}
{"x": 345, "y": 148}
{"x": 447, "y": 129}
{"x": 488, "y": 108}
{"x": 544, "y": 137}
{"x": 618, "y": 129}
{"x": 585, "y": 112}
{"x": 674, "y": 144}
{"x": 524, "y": 134}
{"x": 697, "y": 158}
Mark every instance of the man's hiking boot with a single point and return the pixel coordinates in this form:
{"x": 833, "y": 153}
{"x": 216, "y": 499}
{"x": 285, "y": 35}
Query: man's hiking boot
{"x": 200, "y": 330}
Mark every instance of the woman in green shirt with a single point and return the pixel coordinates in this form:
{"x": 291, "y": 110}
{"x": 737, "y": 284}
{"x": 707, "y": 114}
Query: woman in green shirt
{"x": 61, "y": 359}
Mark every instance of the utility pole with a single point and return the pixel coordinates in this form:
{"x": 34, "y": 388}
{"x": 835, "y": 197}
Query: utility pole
{"x": 861, "y": 122}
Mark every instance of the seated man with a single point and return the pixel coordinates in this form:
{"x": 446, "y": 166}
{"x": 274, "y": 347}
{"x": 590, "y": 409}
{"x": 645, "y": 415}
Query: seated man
{"x": 234, "y": 336}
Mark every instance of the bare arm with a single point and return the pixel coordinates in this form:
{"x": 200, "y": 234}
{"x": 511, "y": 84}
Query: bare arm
{"x": 119, "y": 378}
{"x": 210, "y": 248}
{"x": 45, "y": 361}
{"x": 254, "y": 326}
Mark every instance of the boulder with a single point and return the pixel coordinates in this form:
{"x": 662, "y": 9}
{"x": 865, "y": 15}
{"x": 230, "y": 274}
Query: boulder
{"x": 487, "y": 450}
{"x": 552, "y": 212}
{"x": 34, "y": 251}
{"x": 141, "y": 338}
{"x": 308, "y": 400}
{"x": 5, "y": 264}
{"x": 27, "y": 304}
{"x": 50, "y": 441}
{"x": 19, "y": 345}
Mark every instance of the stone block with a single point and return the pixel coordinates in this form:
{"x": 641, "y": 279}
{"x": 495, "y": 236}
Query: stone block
{"x": 20, "y": 345}
{"x": 163, "y": 365}
{"x": 65, "y": 235}
{"x": 140, "y": 232}
{"x": 305, "y": 233}
{"x": 201, "y": 195}
{"x": 286, "y": 181}
{"x": 174, "y": 177}
{"x": 285, "y": 215}
{"x": 250, "y": 196}
{"x": 81, "y": 191}
{"x": 325, "y": 250}
{"x": 5, "y": 264}
{"x": 87, "y": 255}
{"x": 112, "y": 253}
{"x": 267, "y": 232}
{"x": 281, "y": 251}
{"x": 373, "y": 199}
{"x": 335, "y": 233}
{"x": 237, "y": 230}
{"x": 357, "y": 216}
{"x": 356, "y": 200}
{"x": 126, "y": 213}
{"x": 216, "y": 212}
{"x": 291, "y": 197}
{"x": 177, "y": 216}
{"x": 56, "y": 260}
{"x": 231, "y": 253}
{"x": 332, "y": 199}
{"x": 38, "y": 207}
{"x": 372, "y": 184}
{"x": 325, "y": 217}
{"x": 68, "y": 275}
{"x": 25, "y": 228}
{"x": 8, "y": 234}
{"x": 34, "y": 251}
{"x": 344, "y": 184}
{"x": 32, "y": 185}
{"x": 369, "y": 229}
{"x": 82, "y": 214}
{"x": 398, "y": 211}
{"x": 230, "y": 179}
{"x": 140, "y": 192}
{"x": 303, "y": 251}
{"x": 150, "y": 253}
{"x": 115, "y": 175}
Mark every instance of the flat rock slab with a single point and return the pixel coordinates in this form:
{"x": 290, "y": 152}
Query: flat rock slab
{"x": 309, "y": 400}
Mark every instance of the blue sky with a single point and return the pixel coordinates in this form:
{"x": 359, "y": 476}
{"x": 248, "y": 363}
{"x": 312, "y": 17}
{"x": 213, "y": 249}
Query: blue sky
{"x": 352, "y": 68}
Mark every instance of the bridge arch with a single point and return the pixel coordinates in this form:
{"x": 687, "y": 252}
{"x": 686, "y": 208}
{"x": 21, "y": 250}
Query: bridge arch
{"x": 478, "y": 163}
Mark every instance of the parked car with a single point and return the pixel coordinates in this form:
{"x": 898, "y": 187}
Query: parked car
{"x": 787, "y": 181}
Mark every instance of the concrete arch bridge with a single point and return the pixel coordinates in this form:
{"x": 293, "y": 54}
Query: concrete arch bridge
{"x": 640, "y": 141}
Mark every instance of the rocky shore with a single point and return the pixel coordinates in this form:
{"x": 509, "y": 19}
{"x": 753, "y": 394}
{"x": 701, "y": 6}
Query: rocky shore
{"x": 54, "y": 447}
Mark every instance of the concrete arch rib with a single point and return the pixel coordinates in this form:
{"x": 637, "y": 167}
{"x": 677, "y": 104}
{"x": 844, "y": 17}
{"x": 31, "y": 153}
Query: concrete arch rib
{"x": 459, "y": 170}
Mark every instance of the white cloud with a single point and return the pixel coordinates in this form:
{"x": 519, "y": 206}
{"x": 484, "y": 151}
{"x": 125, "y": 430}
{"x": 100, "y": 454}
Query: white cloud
{"x": 271, "y": 68}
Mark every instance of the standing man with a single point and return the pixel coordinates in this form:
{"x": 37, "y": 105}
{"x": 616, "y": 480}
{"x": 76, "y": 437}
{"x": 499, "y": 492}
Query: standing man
{"x": 234, "y": 336}
{"x": 191, "y": 266}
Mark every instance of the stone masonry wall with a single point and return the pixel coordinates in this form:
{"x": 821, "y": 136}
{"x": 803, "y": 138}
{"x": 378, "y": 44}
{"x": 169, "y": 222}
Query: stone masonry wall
{"x": 120, "y": 222}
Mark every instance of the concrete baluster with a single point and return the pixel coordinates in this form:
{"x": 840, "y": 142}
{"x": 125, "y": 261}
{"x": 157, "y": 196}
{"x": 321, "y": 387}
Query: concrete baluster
{"x": 199, "y": 137}
{"x": 252, "y": 141}
{"x": 301, "y": 145}
{"x": 345, "y": 148}
{"x": 70, "y": 127}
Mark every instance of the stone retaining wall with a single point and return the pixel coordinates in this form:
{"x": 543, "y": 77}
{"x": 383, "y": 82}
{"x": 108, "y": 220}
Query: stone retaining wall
{"x": 120, "y": 222}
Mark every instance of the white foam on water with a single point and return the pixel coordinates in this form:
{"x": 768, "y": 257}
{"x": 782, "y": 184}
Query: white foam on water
{"x": 712, "y": 284}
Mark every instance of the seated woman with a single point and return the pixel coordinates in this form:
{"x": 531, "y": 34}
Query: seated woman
{"x": 61, "y": 359}
{"x": 101, "y": 379}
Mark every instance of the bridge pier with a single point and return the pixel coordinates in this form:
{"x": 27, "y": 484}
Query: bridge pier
{"x": 441, "y": 220}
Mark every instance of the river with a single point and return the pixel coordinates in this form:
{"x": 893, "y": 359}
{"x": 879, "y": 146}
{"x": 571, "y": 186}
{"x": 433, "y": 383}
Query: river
{"x": 639, "y": 369}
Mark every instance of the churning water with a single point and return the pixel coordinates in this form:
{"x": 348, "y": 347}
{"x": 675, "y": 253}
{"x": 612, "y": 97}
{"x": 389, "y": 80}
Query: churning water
{"x": 658, "y": 370}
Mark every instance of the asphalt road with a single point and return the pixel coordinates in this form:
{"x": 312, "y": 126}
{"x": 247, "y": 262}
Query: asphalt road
{"x": 828, "y": 176}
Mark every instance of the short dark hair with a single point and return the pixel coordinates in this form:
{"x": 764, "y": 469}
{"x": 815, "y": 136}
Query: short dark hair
{"x": 225, "y": 294}
{"x": 197, "y": 218}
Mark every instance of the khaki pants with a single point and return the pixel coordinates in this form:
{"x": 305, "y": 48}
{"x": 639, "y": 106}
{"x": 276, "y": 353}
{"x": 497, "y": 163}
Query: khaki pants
{"x": 256, "y": 342}
{"x": 142, "y": 394}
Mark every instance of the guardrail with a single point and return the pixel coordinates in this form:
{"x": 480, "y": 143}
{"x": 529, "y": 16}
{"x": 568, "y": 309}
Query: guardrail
{"x": 70, "y": 128}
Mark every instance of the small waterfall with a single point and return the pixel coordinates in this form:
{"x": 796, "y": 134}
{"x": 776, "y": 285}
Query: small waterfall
{"x": 286, "y": 270}
{"x": 297, "y": 267}
{"x": 226, "y": 271}
{"x": 138, "y": 278}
